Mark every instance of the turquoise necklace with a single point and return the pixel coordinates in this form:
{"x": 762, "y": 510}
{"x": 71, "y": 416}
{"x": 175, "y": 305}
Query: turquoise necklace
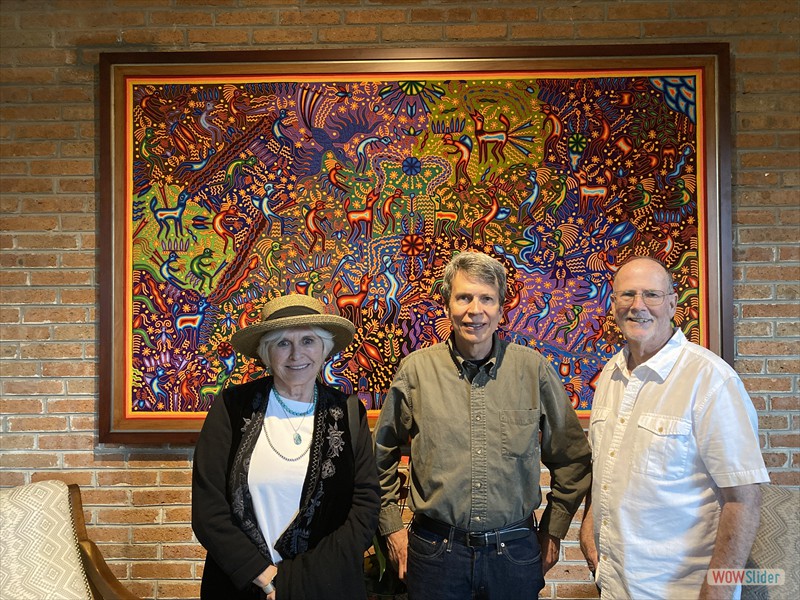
{"x": 298, "y": 439}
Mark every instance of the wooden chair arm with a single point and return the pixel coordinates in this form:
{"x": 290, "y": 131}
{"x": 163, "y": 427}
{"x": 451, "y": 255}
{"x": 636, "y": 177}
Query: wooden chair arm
{"x": 104, "y": 584}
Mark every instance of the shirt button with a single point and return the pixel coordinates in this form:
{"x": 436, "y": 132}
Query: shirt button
{"x": 478, "y": 451}
{"x": 477, "y": 518}
{"x": 477, "y": 485}
{"x": 612, "y": 453}
{"x": 478, "y": 418}
{"x": 621, "y": 419}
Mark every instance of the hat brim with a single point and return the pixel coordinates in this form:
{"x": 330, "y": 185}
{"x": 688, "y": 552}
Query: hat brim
{"x": 246, "y": 340}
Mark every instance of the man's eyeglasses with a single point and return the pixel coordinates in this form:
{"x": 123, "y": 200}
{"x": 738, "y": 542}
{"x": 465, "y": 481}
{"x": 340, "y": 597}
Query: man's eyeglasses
{"x": 649, "y": 297}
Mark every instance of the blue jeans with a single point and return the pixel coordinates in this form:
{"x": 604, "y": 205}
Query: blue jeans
{"x": 440, "y": 569}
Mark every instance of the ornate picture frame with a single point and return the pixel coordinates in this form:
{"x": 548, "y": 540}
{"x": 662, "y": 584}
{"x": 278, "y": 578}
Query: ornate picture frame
{"x": 227, "y": 178}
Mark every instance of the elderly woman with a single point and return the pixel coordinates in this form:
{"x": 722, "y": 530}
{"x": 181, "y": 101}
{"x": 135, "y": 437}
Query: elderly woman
{"x": 284, "y": 487}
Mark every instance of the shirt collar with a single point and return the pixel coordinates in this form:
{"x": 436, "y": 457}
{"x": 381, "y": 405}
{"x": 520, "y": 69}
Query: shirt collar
{"x": 662, "y": 362}
{"x": 490, "y": 366}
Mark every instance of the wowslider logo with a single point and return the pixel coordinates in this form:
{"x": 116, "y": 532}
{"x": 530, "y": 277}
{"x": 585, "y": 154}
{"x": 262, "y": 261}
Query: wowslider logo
{"x": 746, "y": 577}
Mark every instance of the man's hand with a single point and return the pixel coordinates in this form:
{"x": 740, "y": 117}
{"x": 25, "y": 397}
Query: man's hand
{"x": 550, "y": 546}
{"x": 397, "y": 542}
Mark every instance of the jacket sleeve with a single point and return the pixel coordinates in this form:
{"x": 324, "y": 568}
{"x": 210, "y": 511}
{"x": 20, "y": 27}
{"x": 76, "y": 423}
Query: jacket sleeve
{"x": 565, "y": 452}
{"x": 336, "y": 562}
{"x": 212, "y": 519}
{"x": 391, "y": 432}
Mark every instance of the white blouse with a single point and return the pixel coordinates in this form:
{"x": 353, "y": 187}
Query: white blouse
{"x": 278, "y": 468}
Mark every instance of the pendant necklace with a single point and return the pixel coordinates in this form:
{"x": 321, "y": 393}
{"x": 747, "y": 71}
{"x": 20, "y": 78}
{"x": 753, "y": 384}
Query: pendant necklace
{"x": 275, "y": 450}
{"x": 298, "y": 439}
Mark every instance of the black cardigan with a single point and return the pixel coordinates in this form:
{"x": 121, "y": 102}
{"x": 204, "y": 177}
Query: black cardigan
{"x": 323, "y": 548}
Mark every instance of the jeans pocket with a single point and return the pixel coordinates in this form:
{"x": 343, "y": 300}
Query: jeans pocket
{"x": 425, "y": 544}
{"x": 524, "y": 551}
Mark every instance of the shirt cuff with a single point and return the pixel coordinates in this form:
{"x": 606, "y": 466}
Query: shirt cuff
{"x": 741, "y": 478}
{"x": 390, "y": 520}
{"x": 556, "y": 522}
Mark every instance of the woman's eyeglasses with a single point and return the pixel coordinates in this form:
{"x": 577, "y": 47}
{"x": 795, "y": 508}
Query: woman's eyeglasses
{"x": 649, "y": 297}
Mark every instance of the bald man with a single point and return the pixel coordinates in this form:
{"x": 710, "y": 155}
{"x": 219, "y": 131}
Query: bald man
{"x": 675, "y": 451}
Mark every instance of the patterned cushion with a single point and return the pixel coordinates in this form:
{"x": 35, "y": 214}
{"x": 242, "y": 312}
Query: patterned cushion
{"x": 777, "y": 544}
{"x": 39, "y": 555}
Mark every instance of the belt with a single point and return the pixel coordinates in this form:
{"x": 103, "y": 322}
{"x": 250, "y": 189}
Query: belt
{"x": 515, "y": 531}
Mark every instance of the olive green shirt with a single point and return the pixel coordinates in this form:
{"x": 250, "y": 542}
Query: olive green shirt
{"x": 477, "y": 437}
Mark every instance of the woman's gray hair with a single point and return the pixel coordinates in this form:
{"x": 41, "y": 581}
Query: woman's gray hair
{"x": 272, "y": 337}
{"x": 475, "y": 265}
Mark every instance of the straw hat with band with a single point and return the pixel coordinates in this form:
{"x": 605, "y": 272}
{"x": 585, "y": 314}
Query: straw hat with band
{"x": 294, "y": 310}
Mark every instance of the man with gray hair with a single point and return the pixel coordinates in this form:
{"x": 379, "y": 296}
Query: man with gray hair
{"x": 481, "y": 413}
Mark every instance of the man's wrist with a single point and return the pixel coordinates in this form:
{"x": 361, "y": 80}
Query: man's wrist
{"x": 268, "y": 588}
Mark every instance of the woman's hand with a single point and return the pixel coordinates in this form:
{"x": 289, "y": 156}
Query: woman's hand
{"x": 267, "y": 575}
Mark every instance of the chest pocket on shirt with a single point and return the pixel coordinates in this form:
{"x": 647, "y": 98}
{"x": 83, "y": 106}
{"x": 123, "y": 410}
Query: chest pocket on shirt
{"x": 661, "y": 446}
{"x": 597, "y": 423}
{"x": 518, "y": 432}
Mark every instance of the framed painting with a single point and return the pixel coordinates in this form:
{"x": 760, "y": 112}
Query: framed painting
{"x": 228, "y": 178}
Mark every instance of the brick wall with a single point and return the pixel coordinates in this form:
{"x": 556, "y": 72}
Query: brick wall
{"x": 137, "y": 498}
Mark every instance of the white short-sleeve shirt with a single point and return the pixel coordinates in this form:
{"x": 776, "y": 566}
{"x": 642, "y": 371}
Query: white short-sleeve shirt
{"x": 665, "y": 438}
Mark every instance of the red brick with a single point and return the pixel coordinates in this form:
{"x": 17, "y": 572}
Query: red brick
{"x": 768, "y": 384}
{"x": 284, "y": 36}
{"x": 576, "y": 590}
{"x": 169, "y": 37}
{"x": 27, "y": 387}
{"x": 310, "y": 17}
{"x": 164, "y": 534}
{"x": 783, "y": 366}
{"x": 170, "y": 19}
{"x": 28, "y": 460}
{"x": 787, "y": 403}
{"x": 136, "y": 551}
{"x": 184, "y": 551}
{"x": 218, "y": 36}
{"x": 178, "y": 515}
{"x": 12, "y": 479}
{"x": 359, "y": 34}
{"x": 446, "y": 15}
{"x": 165, "y": 570}
{"x": 81, "y": 478}
{"x": 169, "y": 589}
{"x": 127, "y": 515}
{"x": 775, "y": 459}
{"x": 70, "y": 441}
{"x": 784, "y": 440}
{"x": 768, "y": 422}
{"x": 20, "y": 406}
{"x": 769, "y": 310}
{"x": 22, "y": 333}
{"x": 160, "y": 497}
{"x": 157, "y": 461}
{"x": 788, "y": 478}
{"x": 482, "y": 31}
{"x": 54, "y": 315}
{"x": 133, "y": 478}
{"x": 10, "y": 441}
